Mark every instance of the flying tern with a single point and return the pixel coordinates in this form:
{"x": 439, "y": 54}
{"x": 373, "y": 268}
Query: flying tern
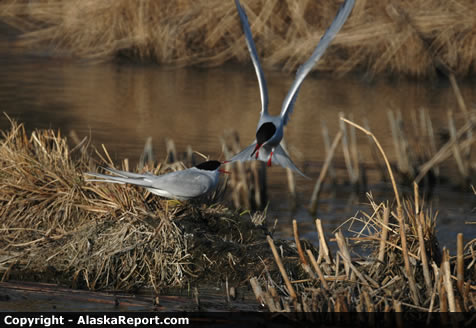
{"x": 269, "y": 132}
{"x": 181, "y": 185}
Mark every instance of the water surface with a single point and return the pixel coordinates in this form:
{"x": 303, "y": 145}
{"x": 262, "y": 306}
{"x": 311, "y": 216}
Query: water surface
{"x": 120, "y": 105}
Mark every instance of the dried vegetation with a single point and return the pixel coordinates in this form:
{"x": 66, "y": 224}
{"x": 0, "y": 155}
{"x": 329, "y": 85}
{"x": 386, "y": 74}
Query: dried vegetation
{"x": 55, "y": 226}
{"x": 416, "y": 38}
{"x": 391, "y": 261}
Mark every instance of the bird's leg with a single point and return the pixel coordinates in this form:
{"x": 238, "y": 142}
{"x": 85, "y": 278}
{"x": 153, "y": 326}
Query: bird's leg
{"x": 270, "y": 156}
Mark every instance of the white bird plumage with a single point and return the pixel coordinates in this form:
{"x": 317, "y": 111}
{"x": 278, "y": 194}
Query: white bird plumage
{"x": 181, "y": 185}
{"x": 269, "y": 132}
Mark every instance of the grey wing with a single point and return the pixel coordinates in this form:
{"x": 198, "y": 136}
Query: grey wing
{"x": 342, "y": 14}
{"x": 185, "y": 184}
{"x": 281, "y": 157}
{"x": 122, "y": 180}
{"x": 245, "y": 154}
{"x": 126, "y": 174}
{"x": 254, "y": 58}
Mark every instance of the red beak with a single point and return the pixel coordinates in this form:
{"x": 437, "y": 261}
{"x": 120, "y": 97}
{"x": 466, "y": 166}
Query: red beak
{"x": 258, "y": 146}
{"x": 224, "y": 171}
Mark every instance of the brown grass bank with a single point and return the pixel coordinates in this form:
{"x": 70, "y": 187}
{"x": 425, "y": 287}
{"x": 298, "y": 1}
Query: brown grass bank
{"x": 414, "y": 38}
{"x": 55, "y": 227}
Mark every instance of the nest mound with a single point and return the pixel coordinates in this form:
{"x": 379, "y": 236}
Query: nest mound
{"x": 57, "y": 227}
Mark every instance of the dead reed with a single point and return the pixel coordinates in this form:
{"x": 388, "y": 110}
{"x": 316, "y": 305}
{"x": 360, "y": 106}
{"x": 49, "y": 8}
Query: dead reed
{"x": 393, "y": 249}
{"x": 56, "y": 227}
{"x": 367, "y": 272}
{"x": 418, "y": 153}
{"x": 415, "y": 38}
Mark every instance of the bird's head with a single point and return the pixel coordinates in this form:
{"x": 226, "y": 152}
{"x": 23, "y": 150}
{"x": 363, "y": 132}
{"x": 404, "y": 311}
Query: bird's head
{"x": 211, "y": 166}
{"x": 265, "y": 132}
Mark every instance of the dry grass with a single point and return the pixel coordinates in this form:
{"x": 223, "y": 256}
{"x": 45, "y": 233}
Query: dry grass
{"x": 367, "y": 272}
{"x": 395, "y": 249}
{"x": 413, "y": 37}
{"x": 56, "y": 227}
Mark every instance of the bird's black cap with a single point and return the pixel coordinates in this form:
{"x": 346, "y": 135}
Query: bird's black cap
{"x": 208, "y": 165}
{"x": 265, "y": 132}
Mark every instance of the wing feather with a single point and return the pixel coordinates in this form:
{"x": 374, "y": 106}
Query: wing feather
{"x": 254, "y": 58}
{"x": 341, "y": 17}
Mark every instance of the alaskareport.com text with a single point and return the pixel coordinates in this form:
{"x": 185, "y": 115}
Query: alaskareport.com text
{"x": 47, "y": 321}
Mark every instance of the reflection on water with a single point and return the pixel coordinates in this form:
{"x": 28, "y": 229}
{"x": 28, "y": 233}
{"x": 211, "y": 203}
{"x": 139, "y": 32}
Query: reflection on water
{"x": 120, "y": 105}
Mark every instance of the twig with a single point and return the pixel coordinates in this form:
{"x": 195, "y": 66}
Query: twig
{"x": 384, "y": 234}
{"x": 387, "y": 163}
{"x": 406, "y": 260}
{"x": 291, "y": 291}
{"x": 447, "y": 281}
{"x": 257, "y": 290}
{"x": 456, "y": 151}
{"x": 298, "y": 243}
{"x": 410, "y": 277}
{"x": 424, "y": 259}
{"x": 323, "y": 248}
{"x": 322, "y": 175}
{"x": 460, "y": 263}
{"x": 445, "y": 152}
{"x": 317, "y": 269}
{"x": 346, "y": 151}
{"x": 327, "y": 147}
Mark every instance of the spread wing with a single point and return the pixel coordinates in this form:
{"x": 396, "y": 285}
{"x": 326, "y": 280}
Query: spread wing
{"x": 245, "y": 154}
{"x": 342, "y": 14}
{"x": 281, "y": 158}
{"x": 254, "y": 58}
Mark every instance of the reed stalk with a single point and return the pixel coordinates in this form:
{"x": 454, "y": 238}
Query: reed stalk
{"x": 424, "y": 260}
{"x": 328, "y": 148}
{"x": 408, "y": 270}
{"x": 446, "y": 150}
{"x": 456, "y": 150}
{"x": 317, "y": 269}
{"x": 384, "y": 235}
{"x": 323, "y": 173}
{"x": 387, "y": 163}
{"x": 460, "y": 263}
{"x": 323, "y": 248}
{"x": 447, "y": 281}
{"x": 290, "y": 288}
{"x": 353, "y": 177}
{"x": 302, "y": 258}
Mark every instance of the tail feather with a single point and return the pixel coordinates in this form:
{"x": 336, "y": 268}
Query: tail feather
{"x": 126, "y": 174}
{"x": 122, "y": 180}
{"x": 281, "y": 157}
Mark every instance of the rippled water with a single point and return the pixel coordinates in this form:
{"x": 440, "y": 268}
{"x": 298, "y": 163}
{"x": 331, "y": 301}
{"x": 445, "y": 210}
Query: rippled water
{"x": 120, "y": 105}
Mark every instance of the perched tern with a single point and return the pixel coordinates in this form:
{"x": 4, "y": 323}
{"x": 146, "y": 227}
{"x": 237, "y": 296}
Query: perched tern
{"x": 182, "y": 185}
{"x": 269, "y": 133}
